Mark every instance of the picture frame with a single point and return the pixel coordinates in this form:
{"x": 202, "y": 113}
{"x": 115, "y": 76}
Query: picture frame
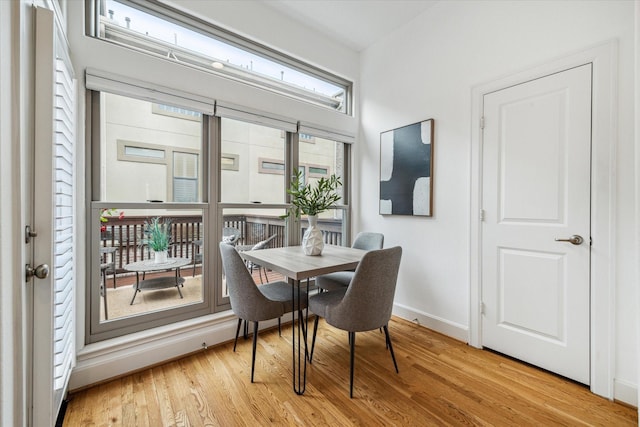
{"x": 406, "y": 170}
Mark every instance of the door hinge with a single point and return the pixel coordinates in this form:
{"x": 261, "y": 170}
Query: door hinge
{"x": 482, "y": 308}
{"x": 481, "y": 214}
{"x": 482, "y": 122}
{"x": 29, "y": 234}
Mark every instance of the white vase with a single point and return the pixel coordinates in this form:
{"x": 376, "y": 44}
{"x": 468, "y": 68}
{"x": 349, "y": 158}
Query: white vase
{"x": 312, "y": 241}
{"x": 160, "y": 257}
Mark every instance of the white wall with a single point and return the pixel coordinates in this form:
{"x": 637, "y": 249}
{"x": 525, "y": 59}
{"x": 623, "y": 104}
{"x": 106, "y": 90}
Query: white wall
{"x": 427, "y": 69}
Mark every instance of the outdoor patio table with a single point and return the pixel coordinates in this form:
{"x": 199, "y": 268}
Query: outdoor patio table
{"x": 149, "y": 265}
{"x": 291, "y": 262}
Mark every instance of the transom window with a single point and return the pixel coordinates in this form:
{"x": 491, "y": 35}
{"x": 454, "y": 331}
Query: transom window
{"x": 162, "y": 31}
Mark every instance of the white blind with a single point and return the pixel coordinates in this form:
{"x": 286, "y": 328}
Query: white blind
{"x": 231, "y": 111}
{"x": 121, "y": 85}
{"x": 323, "y": 132}
{"x": 63, "y": 271}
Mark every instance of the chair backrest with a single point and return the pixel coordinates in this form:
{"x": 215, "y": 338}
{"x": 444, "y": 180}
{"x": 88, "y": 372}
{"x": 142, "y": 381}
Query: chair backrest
{"x": 368, "y": 241}
{"x": 368, "y": 301}
{"x": 247, "y": 302}
{"x": 230, "y": 235}
{"x": 263, "y": 244}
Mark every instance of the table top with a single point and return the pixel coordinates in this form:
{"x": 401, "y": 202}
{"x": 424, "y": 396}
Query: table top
{"x": 293, "y": 263}
{"x": 151, "y": 265}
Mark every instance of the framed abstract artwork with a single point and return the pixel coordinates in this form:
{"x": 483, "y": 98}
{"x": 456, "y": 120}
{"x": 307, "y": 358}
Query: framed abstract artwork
{"x": 406, "y": 170}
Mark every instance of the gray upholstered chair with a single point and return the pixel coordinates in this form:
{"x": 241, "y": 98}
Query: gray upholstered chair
{"x": 365, "y": 304}
{"x": 364, "y": 240}
{"x": 253, "y": 303}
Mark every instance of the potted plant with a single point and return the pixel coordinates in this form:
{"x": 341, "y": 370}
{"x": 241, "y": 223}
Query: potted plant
{"x": 312, "y": 200}
{"x": 105, "y": 214}
{"x": 157, "y": 235}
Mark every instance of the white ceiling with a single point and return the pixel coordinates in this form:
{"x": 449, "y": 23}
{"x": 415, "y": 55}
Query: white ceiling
{"x": 354, "y": 23}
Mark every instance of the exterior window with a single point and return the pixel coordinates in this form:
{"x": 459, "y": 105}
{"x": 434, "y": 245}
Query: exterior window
{"x": 185, "y": 177}
{"x": 147, "y": 162}
{"x": 230, "y": 162}
{"x": 162, "y": 31}
{"x": 307, "y": 138}
{"x": 318, "y": 171}
{"x": 148, "y": 168}
{"x": 271, "y": 166}
{"x": 135, "y": 151}
{"x": 277, "y": 167}
{"x": 181, "y": 113}
{"x": 260, "y": 178}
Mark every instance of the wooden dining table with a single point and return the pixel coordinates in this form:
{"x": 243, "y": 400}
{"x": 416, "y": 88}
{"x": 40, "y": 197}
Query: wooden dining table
{"x": 290, "y": 261}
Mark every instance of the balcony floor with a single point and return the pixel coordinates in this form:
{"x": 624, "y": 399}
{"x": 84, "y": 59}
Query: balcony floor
{"x": 119, "y": 298}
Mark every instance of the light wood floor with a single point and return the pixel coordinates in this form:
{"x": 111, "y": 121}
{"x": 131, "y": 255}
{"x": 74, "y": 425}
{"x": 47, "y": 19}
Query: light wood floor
{"x": 441, "y": 382}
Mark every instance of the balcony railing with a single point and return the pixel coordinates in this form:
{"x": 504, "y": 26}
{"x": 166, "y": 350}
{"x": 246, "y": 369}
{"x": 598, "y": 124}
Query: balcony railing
{"x": 126, "y": 234}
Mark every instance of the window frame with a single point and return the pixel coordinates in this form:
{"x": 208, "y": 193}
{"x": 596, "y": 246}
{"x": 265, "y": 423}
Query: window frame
{"x": 167, "y": 160}
{"x": 98, "y": 330}
{"x": 214, "y": 31}
{"x": 214, "y": 301}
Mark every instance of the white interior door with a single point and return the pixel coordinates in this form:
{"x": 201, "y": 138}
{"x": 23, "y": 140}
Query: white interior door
{"x": 536, "y": 190}
{"x": 54, "y": 221}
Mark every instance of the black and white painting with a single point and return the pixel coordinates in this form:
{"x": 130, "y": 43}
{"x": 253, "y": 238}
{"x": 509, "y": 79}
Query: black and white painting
{"x": 406, "y": 170}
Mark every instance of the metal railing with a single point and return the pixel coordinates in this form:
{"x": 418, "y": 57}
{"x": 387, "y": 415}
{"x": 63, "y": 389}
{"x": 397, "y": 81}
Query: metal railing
{"x": 126, "y": 234}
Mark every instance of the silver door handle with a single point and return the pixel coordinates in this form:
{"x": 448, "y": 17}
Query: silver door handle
{"x": 41, "y": 271}
{"x": 574, "y": 240}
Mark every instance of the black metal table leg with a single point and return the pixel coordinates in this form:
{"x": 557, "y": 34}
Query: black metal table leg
{"x": 299, "y": 359}
{"x": 135, "y": 292}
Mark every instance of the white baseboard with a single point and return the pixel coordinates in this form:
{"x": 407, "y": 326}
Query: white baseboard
{"x": 625, "y": 392}
{"x": 113, "y": 358}
{"x": 445, "y": 327}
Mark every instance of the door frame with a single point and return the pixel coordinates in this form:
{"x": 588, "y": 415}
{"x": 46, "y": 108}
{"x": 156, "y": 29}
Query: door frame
{"x": 603, "y": 201}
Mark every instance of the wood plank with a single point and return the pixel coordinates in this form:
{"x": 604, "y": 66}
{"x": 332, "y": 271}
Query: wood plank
{"x": 441, "y": 382}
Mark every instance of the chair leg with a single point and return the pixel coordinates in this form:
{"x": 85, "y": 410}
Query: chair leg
{"x": 393, "y": 356}
{"x": 313, "y": 340}
{"x": 352, "y": 341}
{"x": 255, "y": 342}
{"x": 237, "y": 333}
{"x": 114, "y": 278}
{"x": 279, "y": 327}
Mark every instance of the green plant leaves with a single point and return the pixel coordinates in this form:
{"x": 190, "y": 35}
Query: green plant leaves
{"x": 312, "y": 200}
{"x": 157, "y": 234}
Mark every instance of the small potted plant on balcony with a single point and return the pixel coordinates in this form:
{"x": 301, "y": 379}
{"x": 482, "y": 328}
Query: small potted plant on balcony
{"x": 312, "y": 200}
{"x": 157, "y": 235}
{"x": 105, "y": 214}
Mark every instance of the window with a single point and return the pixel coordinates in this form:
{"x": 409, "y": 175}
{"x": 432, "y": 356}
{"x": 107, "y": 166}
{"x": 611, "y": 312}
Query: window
{"x": 260, "y": 178}
{"x": 169, "y": 110}
{"x": 271, "y": 166}
{"x": 307, "y": 138}
{"x": 170, "y": 34}
{"x": 149, "y": 166}
{"x": 185, "y": 177}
